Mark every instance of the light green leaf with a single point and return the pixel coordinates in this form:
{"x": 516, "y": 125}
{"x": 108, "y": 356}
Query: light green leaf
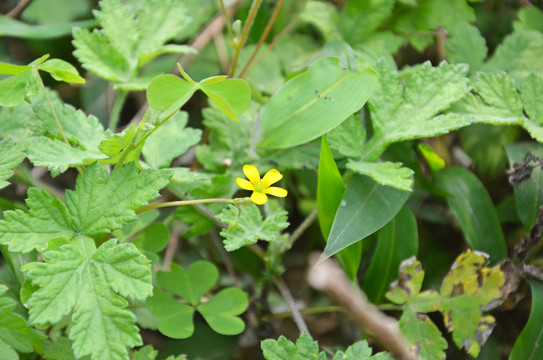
{"x": 152, "y": 239}
{"x": 348, "y": 138}
{"x": 59, "y": 350}
{"x": 433, "y": 160}
{"x": 370, "y": 13}
{"x": 529, "y": 18}
{"x": 168, "y": 93}
{"x": 14, "y": 88}
{"x": 385, "y": 173}
{"x": 19, "y": 29}
{"x": 176, "y": 319}
{"x": 323, "y": 17}
{"x": 221, "y": 311}
{"x": 466, "y": 45}
{"x": 192, "y": 284}
{"x": 19, "y": 122}
{"x": 472, "y": 207}
{"x": 313, "y": 103}
{"x": 11, "y": 155}
{"x": 61, "y": 70}
{"x": 423, "y": 335}
{"x": 365, "y": 208}
{"x": 145, "y": 353}
{"x": 114, "y": 145}
{"x": 10, "y": 69}
{"x": 357, "y": 351}
{"x": 519, "y": 55}
{"x": 166, "y": 49}
{"x": 232, "y": 96}
{"x": 169, "y": 141}
{"x": 526, "y": 346}
{"x": 283, "y": 349}
{"x": 411, "y": 111}
{"x": 81, "y": 278}
{"x": 250, "y": 227}
{"x": 531, "y": 93}
{"x": 55, "y": 11}
{"x": 396, "y": 241}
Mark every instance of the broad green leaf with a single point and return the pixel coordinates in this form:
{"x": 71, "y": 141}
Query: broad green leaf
{"x": 58, "y": 156}
{"x": 19, "y": 29}
{"x": 470, "y": 288}
{"x": 411, "y": 111}
{"x": 423, "y": 335}
{"x": 526, "y": 346}
{"x": 61, "y": 349}
{"x": 191, "y": 284}
{"x": 330, "y": 191}
{"x": 313, "y": 103}
{"x": 176, "y": 319}
{"x": 396, "y": 241}
{"x": 169, "y": 141}
{"x": 365, "y": 208}
{"x": 99, "y": 204}
{"x": 222, "y": 310}
{"x": 91, "y": 284}
{"x": 232, "y": 96}
{"x": 11, "y": 155}
{"x": 348, "y": 138}
{"x": 250, "y": 226}
{"x": 370, "y": 13}
{"x": 529, "y": 193}
{"x": 152, "y": 239}
{"x": 61, "y": 70}
{"x": 519, "y": 55}
{"x": 529, "y": 18}
{"x": 466, "y": 45}
{"x": 385, "y": 173}
{"x": 531, "y": 91}
{"x": 14, "y": 88}
{"x": 168, "y": 93}
{"x": 19, "y": 122}
{"x": 283, "y": 349}
{"x": 473, "y": 209}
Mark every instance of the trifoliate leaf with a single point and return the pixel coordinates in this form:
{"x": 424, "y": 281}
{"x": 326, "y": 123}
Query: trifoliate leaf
{"x": 283, "y": 349}
{"x": 348, "y": 137}
{"x": 466, "y": 45}
{"x": 385, "y": 173}
{"x": 15, "y": 334}
{"x": 176, "y": 319}
{"x": 232, "y": 96}
{"x": 99, "y": 204}
{"x": 11, "y": 155}
{"x": 222, "y": 310}
{"x": 250, "y": 227}
{"x": 61, "y": 70}
{"x": 89, "y": 282}
{"x": 470, "y": 288}
{"x": 169, "y": 141}
{"x": 519, "y": 55}
{"x": 402, "y": 113}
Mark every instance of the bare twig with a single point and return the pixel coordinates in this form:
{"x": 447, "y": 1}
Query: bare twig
{"x": 17, "y": 10}
{"x": 171, "y": 249}
{"x": 328, "y": 276}
{"x": 244, "y": 34}
{"x": 296, "y": 315}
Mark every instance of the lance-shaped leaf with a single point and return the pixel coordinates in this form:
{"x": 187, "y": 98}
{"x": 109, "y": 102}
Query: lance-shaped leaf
{"x": 91, "y": 284}
{"x": 385, "y": 173}
{"x": 11, "y": 155}
{"x": 527, "y": 344}
{"x": 366, "y": 207}
{"x": 472, "y": 207}
{"x": 99, "y": 204}
{"x": 15, "y": 28}
{"x": 313, "y": 103}
{"x": 412, "y": 111}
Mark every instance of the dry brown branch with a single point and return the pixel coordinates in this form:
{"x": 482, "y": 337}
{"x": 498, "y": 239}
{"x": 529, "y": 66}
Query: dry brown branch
{"x": 17, "y": 10}
{"x": 327, "y": 276}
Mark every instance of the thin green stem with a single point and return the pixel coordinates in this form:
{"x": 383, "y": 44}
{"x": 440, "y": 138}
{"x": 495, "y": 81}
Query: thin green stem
{"x": 54, "y": 113}
{"x": 236, "y": 202}
{"x": 262, "y": 37}
{"x": 244, "y": 34}
{"x": 116, "y": 110}
{"x": 227, "y": 21}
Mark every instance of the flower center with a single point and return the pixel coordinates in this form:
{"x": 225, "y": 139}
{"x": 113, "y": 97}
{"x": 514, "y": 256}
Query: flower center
{"x": 259, "y": 186}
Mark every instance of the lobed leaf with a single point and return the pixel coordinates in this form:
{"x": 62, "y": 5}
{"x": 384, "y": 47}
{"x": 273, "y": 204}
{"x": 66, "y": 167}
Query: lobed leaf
{"x": 11, "y": 156}
{"x": 385, "y": 173}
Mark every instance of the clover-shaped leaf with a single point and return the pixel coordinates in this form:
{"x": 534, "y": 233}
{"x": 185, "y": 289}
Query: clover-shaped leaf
{"x": 176, "y": 317}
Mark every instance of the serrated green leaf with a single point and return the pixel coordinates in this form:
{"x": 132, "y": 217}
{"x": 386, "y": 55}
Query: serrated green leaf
{"x": 531, "y": 92}
{"x": 19, "y": 122}
{"x": 357, "y": 351}
{"x": 175, "y": 318}
{"x": 192, "y": 284}
{"x": 250, "y": 226}
{"x": 11, "y": 155}
{"x": 145, "y": 353}
{"x": 14, "y": 88}
{"x": 411, "y": 111}
{"x": 364, "y": 209}
{"x": 526, "y": 346}
{"x": 283, "y": 349}
{"x": 169, "y": 141}
{"x": 371, "y": 14}
{"x": 423, "y": 335}
{"x": 385, "y": 173}
{"x": 59, "y": 350}
{"x": 396, "y": 241}
{"x": 87, "y": 281}
{"x": 466, "y": 45}
{"x": 472, "y": 207}
{"x": 313, "y": 103}
{"x": 529, "y": 18}
{"x": 348, "y": 138}
{"x": 221, "y": 311}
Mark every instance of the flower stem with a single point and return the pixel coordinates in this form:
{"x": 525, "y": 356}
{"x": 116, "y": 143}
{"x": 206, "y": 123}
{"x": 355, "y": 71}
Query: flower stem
{"x": 236, "y": 202}
{"x": 244, "y": 34}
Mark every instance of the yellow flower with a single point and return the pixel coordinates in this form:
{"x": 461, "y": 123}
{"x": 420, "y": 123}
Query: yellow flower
{"x": 261, "y": 187}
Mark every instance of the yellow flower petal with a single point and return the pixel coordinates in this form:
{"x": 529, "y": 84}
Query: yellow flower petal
{"x": 259, "y": 198}
{"x": 252, "y": 173}
{"x": 276, "y": 191}
{"x": 271, "y": 177}
{"x": 244, "y": 184}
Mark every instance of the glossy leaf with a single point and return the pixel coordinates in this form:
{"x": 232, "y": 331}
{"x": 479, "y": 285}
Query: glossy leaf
{"x": 330, "y": 191}
{"x": 527, "y": 346}
{"x": 169, "y": 93}
{"x": 232, "y": 96}
{"x": 176, "y": 319}
{"x": 473, "y": 209}
{"x": 313, "y": 103}
{"x": 364, "y": 209}
{"x": 396, "y": 241}
{"x": 61, "y": 70}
